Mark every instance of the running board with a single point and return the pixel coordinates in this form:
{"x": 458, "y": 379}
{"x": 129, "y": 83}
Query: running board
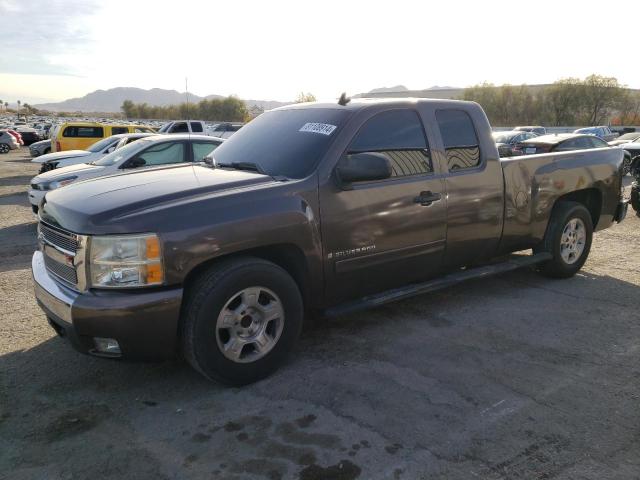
{"x": 414, "y": 289}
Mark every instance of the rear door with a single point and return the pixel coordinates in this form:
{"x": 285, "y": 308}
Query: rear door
{"x": 382, "y": 234}
{"x": 475, "y": 188}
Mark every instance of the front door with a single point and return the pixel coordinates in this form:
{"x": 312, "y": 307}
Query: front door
{"x": 382, "y": 234}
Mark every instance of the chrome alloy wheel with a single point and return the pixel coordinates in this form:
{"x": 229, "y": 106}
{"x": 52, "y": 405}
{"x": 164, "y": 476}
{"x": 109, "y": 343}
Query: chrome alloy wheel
{"x": 573, "y": 240}
{"x": 250, "y": 324}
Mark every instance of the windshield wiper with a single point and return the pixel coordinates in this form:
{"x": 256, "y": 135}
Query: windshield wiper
{"x": 252, "y": 167}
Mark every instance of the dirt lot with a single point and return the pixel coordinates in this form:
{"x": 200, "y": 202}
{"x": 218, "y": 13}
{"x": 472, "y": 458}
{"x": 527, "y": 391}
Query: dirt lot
{"x": 514, "y": 377}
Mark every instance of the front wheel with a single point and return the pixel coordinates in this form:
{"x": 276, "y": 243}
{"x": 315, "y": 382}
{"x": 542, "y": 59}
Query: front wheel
{"x": 241, "y": 318}
{"x": 626, "y": 164}
{"x": 4, "y": 148}
{"x": 567, "y": 239}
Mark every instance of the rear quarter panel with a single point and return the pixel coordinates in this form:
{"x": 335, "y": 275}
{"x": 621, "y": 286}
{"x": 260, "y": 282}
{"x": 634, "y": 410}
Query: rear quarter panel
{"x": 534, "y": 183}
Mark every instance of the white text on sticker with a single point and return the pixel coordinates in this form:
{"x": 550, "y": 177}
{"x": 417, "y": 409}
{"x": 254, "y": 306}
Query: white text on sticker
{"x": 323, "y": 128}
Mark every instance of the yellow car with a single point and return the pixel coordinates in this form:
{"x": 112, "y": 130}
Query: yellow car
{"x": 81, "y": 135}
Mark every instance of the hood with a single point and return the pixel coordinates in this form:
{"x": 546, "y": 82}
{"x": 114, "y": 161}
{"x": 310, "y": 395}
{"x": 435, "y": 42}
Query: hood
{"x": 50, "y": 157}
{"x": 100, "y": 205}
{"x": 42, "y": 143}
{"x": 65, "y": 172}
{"x": 631, "y": 146}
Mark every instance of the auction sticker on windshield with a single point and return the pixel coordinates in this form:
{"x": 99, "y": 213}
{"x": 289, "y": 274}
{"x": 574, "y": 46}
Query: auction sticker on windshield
{"x": 322, "y": 128}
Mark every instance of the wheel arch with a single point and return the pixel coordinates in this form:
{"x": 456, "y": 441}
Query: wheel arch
{"x": 591, "y": 198}
{"x": 287, "y": 256}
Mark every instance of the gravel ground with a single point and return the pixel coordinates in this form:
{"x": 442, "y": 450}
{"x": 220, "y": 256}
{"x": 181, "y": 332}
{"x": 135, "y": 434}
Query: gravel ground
{"x": 515, "y": 377}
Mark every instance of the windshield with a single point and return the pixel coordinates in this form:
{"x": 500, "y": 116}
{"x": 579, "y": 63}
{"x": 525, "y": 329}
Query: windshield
{"x": 102, "y": 144}
{"x": 286, "y": 143}
{"x": 629, "y": 136}
{"x": 122, "y": 153}
{"x": 503, "y": 138}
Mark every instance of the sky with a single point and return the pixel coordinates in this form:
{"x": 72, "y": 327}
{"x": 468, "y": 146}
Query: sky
{"x": 272, "y": 50}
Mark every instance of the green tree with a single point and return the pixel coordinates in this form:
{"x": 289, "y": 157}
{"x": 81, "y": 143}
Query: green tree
{"x": 601, "y": 96}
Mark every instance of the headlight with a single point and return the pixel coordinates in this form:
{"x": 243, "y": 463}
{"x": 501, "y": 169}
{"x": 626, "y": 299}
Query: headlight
{"x": 125, "y": 261}
{"x": 60, "y": 183}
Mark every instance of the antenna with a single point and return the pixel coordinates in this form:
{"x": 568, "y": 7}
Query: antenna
{"x": 186, "y": 91}
{"x": 343, "y": 99}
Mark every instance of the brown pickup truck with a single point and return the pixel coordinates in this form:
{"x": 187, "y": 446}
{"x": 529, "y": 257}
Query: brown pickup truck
{"x": 312, "y": 207}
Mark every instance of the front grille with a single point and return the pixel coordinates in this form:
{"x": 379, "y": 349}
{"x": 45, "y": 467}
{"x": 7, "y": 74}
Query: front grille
{"x": 61, "y": 251}
{"x": 64, "y": 272}
{"x": 57, "y": 238}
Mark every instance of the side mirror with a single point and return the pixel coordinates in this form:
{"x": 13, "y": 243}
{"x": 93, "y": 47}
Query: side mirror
{"x": 363, "y": 167}
{"x": 111, "y": 149}
{"x": 135, "y": 163}
{"x": 209, "y": 160}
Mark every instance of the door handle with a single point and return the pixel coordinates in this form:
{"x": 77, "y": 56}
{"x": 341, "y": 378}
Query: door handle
{"x": 427, "y": 198}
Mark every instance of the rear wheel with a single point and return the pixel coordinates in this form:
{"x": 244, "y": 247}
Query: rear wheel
{"x": 241, "y": 319}
{"x": 568, "y": 240}
{"x": 4, "y": 148}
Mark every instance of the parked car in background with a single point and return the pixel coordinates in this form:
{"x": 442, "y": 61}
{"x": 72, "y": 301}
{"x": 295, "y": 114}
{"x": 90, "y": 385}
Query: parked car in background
{"x": 80, "y": 135}
{"x": 7, "y": 142}
{"x": 225, "y": 130}
{"x": 537, "y": 129}
{"x": 507, "y": 141}
{"x": 29, "y": 135}
{"x": 625, "y": 138}
{"x": 150, "y": 151}
{"x": 332, "y": 207}
{"x": 560, "y": 142}
{"x": 40, "y": 148}
{"x": 603, "y": 132}
{"x": 185, "y": 126}
{"x": 16, "y": 135}
{"x": 96, "y": 151}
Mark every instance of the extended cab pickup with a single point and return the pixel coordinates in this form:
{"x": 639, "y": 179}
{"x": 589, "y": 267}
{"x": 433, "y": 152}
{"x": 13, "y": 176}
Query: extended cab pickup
{"x": 312, "y": 207}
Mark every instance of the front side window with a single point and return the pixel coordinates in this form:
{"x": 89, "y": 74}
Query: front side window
{"x": 598, "y": 142}
{"x": 202, "y": 149}
{"x": 196, "y": 127}
{"x": 180, "y": 127}
{"x": 398, "y": 134}
{"x": 163, "y": 154}
{"x": 460, "y": 140}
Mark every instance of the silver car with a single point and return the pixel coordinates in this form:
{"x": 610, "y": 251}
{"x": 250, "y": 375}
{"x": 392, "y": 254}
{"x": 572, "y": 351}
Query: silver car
{"x": 148, "y": 152}
{"x": 7, "y": 142}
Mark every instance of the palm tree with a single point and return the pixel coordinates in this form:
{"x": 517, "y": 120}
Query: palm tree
{"x": 6, "y": 105}
{"x": 1, "y": 104}
{"x": 18, "y": 107}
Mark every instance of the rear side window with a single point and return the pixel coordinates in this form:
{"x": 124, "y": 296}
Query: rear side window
{"x": 398, "y": 134}
{"x": 202, "y": 149}
{"x": 119, "y": 130}
{"x": 196, "y": 127}
{"x": 460, "y": 140}
{"x": 83, "y": 132}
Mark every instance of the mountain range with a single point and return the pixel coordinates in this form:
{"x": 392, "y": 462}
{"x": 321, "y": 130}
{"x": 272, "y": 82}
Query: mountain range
{"x": 111, "y": 100}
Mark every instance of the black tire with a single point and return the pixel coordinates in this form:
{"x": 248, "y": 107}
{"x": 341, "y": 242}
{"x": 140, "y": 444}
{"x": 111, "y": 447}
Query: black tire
{"x": 635, "y": 166}
{"x": 626, "y": 164}
{"x": 635, "y": 198}
{"x": 47, "y": 150}
{"x": 207, "y": 297}
{"x": 4, "y": 148}
{"x": 563, "y": 213}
